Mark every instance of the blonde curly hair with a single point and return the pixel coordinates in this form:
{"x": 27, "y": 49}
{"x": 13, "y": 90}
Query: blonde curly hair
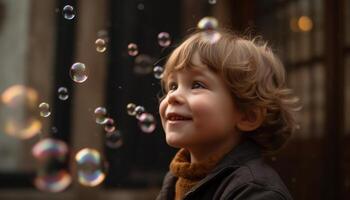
{"x": 254, "y": 74}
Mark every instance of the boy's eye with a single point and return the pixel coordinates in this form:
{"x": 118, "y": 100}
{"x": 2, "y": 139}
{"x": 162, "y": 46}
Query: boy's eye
{"x": 197, "y": 84}
{"x": 172, "y": 86}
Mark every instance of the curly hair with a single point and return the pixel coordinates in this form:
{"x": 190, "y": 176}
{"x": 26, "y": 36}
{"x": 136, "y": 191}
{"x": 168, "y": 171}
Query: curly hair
{"x": 255, "y": 76}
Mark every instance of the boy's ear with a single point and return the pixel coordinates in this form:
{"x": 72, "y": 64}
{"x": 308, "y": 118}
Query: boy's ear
{"x": 251, "y": 119}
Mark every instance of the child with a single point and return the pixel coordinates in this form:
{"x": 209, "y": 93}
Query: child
{"x": 225, "y": 104}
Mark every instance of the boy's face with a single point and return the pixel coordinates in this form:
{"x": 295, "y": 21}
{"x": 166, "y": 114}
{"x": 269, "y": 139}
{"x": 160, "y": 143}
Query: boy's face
{"x": 198, "y": 109}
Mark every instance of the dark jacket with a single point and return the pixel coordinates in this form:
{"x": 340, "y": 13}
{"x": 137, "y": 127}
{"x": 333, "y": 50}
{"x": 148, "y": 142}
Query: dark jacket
{"x": 241, "y": 174}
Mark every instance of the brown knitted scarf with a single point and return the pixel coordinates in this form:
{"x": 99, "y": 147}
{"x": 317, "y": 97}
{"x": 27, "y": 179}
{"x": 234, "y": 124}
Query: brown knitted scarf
{"x": 189, "y": 173}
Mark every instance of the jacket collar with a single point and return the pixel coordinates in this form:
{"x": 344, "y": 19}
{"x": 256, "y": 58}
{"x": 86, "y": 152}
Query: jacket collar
{"x": 245, "y": 151}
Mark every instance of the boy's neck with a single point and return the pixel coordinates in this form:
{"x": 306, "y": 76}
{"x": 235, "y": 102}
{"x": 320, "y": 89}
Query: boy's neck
{"x": 202, "y": 154}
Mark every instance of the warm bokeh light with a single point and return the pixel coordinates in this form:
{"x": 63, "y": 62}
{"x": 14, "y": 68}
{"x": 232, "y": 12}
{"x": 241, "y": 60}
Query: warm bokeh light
{"x": 305, "y": 23}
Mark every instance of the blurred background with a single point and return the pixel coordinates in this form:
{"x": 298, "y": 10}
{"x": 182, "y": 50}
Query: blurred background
{"x": 79, "y": 92}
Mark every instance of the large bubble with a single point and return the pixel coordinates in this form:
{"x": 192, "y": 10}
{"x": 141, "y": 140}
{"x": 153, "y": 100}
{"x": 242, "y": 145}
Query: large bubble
{"x": 90, "y": 167}
{"x": 51, "y": 155}
{"x": 209, "y": 26}
{"x": 19, "y": 108}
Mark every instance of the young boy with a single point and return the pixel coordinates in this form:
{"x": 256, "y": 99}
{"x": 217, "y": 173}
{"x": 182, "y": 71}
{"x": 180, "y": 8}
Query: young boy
{"x": 225, "y": 104}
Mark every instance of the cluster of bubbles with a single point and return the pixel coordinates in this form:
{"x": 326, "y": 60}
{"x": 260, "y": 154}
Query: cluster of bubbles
{"x": 146, "y": 120}
{"x": 209, "y": 26}
{"x": 113, "y": 137}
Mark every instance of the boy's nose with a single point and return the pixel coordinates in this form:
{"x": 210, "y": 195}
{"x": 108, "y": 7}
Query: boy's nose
{"x": 175, "y": 97}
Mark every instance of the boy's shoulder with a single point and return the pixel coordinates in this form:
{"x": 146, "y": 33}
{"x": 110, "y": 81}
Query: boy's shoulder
{"x": 255, "y": 177}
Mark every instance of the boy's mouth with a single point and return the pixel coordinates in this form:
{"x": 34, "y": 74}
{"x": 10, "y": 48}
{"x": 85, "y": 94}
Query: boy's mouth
{"x": 177, "y": 117}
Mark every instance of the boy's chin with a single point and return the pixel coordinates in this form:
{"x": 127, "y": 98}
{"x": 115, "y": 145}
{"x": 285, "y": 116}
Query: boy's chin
{"x": 175, "y": 143}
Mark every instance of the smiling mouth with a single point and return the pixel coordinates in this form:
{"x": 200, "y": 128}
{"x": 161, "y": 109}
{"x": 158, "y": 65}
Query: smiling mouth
{"x": 173, "y": 117}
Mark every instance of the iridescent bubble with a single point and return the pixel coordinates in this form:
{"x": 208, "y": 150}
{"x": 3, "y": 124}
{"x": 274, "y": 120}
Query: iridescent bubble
{"x": 53, "y": 182}
{"x": 158, "y": 72}
{"x": 139, "y": 110}
{"x": 133, "y": 49}
{"x": 101, "y": 115}
{"x": 164, "y": 39}
{"x": 131, "y": 109}
{"x": 114, "y": 139}
{"x": 19, "y": 109}
{"x": 212, "y": 2}
{"x": 209, "y": 26}
{"x": 68, "y": 12}
{"x": 208, "y": 23}
{"x": 109, "y": 125}
{"x": 44, "y": 109}
{"x": 78, "y": 72}
{"x": 63, "y": 93}
{"x": 51, "y": 155}
{"x": 90, "y": 167}
{"x": 100, "y": 45}
{"x": 143, "y": 64}
{"x": 147, "y": 122}
{"x": 48, "y": 148}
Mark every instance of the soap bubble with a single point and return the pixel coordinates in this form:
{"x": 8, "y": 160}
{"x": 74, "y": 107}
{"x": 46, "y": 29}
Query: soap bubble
{"x": 131, "y": 109}
{"x": 147, "y": 122}
{"x": 44, "y": 109}
{"x": 19, "y": 106}
{"x": 143, "y": 64}
{"x": 78, "y": 72}
{"x": 90, "y": 167}
{"x": 109, "y": 125}
{"x": 158, "y": 72}
{"x": 208, "y": 23}
{"x": 212, "y": 2}
{"x": 51, "y": 155}
{"x": 140, "y": 6}
{"x": 139, "y": 110}
{"x": 114, "y": 139}
{"x": 63, "y": 93}
{"x": 164, "y": 39}
{"x": 101, "y": 115}
{"x": 100, "y": 45}
{"x": 133, "y": 49}
{"x": 68, "y": 12}
{"x": 209, "y": 26}
{"x": 53, "y": 182}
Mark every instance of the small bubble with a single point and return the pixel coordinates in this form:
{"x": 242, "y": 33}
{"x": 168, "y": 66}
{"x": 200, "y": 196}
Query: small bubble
{"x": 143, "y": 64}
{"x": 44, "y": 109}
{"x": 101, "y": 115}
{"x": 133, "y": 49}
{"x": 212, "y": 2}
{"x": 140, "y": 6}
{"x": 68, "y": 12}
{"x": 130, "y": 108}
{"x": 147, "y": 122}
{"x": 90, "y": 167}
{"x": 100, "y": 45}
{"x": 139, "y": 110}
{"x": 109, "y": 125}
{"x": 158, "y": 72}
{"x": 78, "y": 72}
{"x": 54, "y": 129}
{"x": 164, "y": 39}
{"x": 114, "y": 139}
{"x": 62, "y": 93}
{"x": 208, "y": 23}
